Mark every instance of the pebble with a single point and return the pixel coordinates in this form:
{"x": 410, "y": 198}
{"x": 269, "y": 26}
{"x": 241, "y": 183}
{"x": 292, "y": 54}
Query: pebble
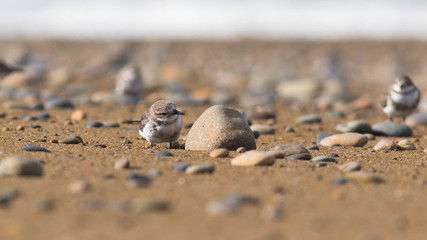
{"x": 364, "y": 177}
{"x": 309, "y": 119}
{"x": 253, "y": 158}
{"x": 201, "y": 168}
{"x": 58, "y": 103}
{"x": 110, "y": 124}
{"x": 241, "y": 150}
{"x": 289, "y": 149}
{"x": 321, "y": 136}
{"x": 335, "y": 114}
{"x": 155, "y": 172}
{"x": 345, "y": 139}
{"x": 392, "y": 129}
{"x": 385, "y": 144}
{"x": 290, "y": 129}
{"x": 35, "y": 126}
{"x": 220, "y": 127}
{"x": 79, "y": 187}
{"x": 20, "y": 166}
{"x": 263, "y": 129}
{"x": 300, "y": 156}
{"x": 350, "y": 166}
{"x": 137, "y": 180}
{"x": 419, "y": 118}
{"x": 34, "y": 148}
{"x": 43, "y": 116}
{"x": 405, "y": 144}
{"x": 358, "y": 126}
{"x": 180, "y": 167}
{"x": 44, "y": 205}
{"x": 78, "y": 116}
{"x": 276, "y": 154}
{"x": 339, "y": 181}
{"x": 324, "y": 159}
{"x": 271, "y": 212}
{"x": 94, "y": 124}
{"x": 261, "y": 113}
{"x": 7, "y": 196}
{"x": 163, "y": 153}
{"x": 370, "y": 136}
{"x": 230, "y": 204}
{"x": 20, "y": 128}
{"x": 334, "y": 155}
{"x": 72, "y": 140}
{"x": 313, "y": 147}
{"x": 219, "y": 153}
{"x": 321, "y": 164}
{"x": 175, "y": 145}
{"x": 122, "y": 163}
{"x": 148, "y": 205}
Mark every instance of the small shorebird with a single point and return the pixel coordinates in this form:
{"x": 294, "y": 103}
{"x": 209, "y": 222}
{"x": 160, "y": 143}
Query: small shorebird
{"x": 129, "y": 81}
{"x": 162, "y": 122}
{"x": 402, "y": 99}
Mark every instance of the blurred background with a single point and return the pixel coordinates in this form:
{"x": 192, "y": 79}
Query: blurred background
{"x": 329, "y": 53}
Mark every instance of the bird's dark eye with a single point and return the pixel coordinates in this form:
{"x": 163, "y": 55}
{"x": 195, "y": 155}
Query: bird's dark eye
{"x": 163, "y": 114}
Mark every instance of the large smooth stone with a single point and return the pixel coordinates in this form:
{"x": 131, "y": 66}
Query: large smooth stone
{"x": 358, "y": 126}
{"x": 417, "y": 119}
{"x": 345, "y": 139}
{"x": 321, "y": 136}
{"x": 20, "y": 166}
{"x": 392, "y": 129}
{"x": 289, "y": 149}
{"x": 254, "y": 158}
{"x": 220, "y": 127}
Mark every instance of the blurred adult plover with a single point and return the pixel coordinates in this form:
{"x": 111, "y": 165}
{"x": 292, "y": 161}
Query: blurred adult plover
{"x": 129, "y": 81}
{"x": 162, "y": 122}
{"x": 402, "y": 99}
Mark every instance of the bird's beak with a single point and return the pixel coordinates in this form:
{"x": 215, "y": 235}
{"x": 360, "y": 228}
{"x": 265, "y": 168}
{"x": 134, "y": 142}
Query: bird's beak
{"x": 176, "y": 112}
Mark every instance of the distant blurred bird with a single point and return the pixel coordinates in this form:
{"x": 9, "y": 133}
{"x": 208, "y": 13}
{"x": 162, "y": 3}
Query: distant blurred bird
{"x": 6, "y": 69}
{"x": 129, "y": 81}
{"x": 162, "y": 122}
{"x": 402, "y": 99}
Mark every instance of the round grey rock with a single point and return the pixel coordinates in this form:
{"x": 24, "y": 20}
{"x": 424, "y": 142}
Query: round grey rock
{"x": 20, "y": 166}
{"x": 220, "y": 127}
{"x": 392, "y": 129}
{"x": 289, "y": 149}
{"x": 358, "y": 126}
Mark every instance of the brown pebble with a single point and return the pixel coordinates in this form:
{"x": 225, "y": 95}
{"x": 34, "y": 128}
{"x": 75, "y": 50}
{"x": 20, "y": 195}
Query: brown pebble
{"x": 425, "y": 150}
{"x": 385, "y": 144}
{"x": 254, "y": 158}
{"x": 79, "y": 187}
{"x": 241, "y": 150}
{"x": 68, "y": 123}
{"x": 336, "y": 194}
{"x": 20, "y": 128}
{"x": 122, "y": 163}
{"x": 53, "y": 140}
{"x": 78, "y": 115}
{"x": 219, "y": 153}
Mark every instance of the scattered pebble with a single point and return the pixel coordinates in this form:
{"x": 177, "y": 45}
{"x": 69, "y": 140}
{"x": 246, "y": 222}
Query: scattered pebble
{"x": 370, "y": 136}
{"x": 78, "y": 116}
{"x": 385, "y": 144}
{"x": 43, "y": 116}
{"x": 58, "y": 103}
{"x": 35, "y": 126}
{"x": 79, "y": 187}
{"x": 146, "y": 205}
{"x": 300, "y": 156}
{"x": 419, "y": 118}
{"x": 72, "y": 140}
{"x": 350, "y": 166}
{"x": 334, "y": 155}
{"x": 175, "y": 145}
{"x": 364, "y": 177}
{"x": 110, "y": 124}
{"x": 231, "y": 203}
{"x": 219, "y": 153}
{"x": 309, "y": 119}
{"x": 290, "y": 129}
{"x": 263, "y": 129}
{"x": 241, "y": 150}
{"x": 122, "y": 163}
{"x": 313, "y": 147}
{"x": 163, "y": 153}
{"x": 392, "y": 129}
{"x": 94, "y": 124}
{"x": 231, "y": 130}
{"x": 201, "y": 168}
{"x": 154, "y": 172}
{"x": 324, "y": 159}
{"x": 321, "y": 136}
{"x": 7, "y": 196}
{"x": 405, "y": 144}
{"x": 253, "y": 158}
{"x": 44, "y": 205}
{"x": 339, "y": 181}
{"x": 345, "y": 139}
{"x": 137, "y": 180}
{"x": 20, "y": 166}
{"x": 271, "y": 213}
{"x": 358, "y": 126}
{"x": 20, "y": 128}
{"x": 289, "y": 149}
{"x": 180, "y": 167}
{"x": 321, "y": 164}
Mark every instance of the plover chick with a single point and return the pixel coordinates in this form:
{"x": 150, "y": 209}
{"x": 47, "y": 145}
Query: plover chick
{"x": 162, "y": 122}
{"x": 129, "y": 81}
{"x": 402, "y": 99}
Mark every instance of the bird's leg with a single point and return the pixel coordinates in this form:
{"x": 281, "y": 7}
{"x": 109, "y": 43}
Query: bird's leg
{"x": 390, "y": 119}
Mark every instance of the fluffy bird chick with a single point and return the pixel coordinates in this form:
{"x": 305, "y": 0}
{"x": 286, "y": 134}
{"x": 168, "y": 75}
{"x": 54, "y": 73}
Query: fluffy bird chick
{"x": 129, "y": 81}
{"x": 402, "y": 99}
{"x": 162, "y": 122}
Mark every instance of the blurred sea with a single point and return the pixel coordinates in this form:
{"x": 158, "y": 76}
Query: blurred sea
{"x": 306, "y": 19}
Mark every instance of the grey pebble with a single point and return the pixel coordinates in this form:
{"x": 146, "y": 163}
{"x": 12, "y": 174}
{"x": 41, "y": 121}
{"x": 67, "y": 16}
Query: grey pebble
{"x": 392, "y": 129}
{"x": 72, "y": 140}
{"x": 44, "y": 205}
{"x": 58, "y": 103}
{"x": 7, "y": 196}
{"x": 313, "y": 147}
{"x": 339, "y": 181}
{"x": 334, "y": 155}
{"x": 289, "y": 149}
{"x": 110, "y": 124}
{"x": 163, "y": 154}
{"x": 36, "y": 106}
{"x": 94, "y": 124}
{"x": 290, "y": 129}
{"x": 35, "y": 126}
{"x": 358, "y": 126}
{"x": 321, "y": 164}
{"x": 181, "y": 166}
{"x": 34, "y": 148}
{"x": 231, "y": 203}
{"x": 92, "y": 204}
{"x": 144, "y": 205}
{"x": 175, "y": 145}
{"x": 43, "y": 116}
{"x": 20, "y": 166}
{"x": 119, "y": 205}
{"x": 308, "y": 119}
{"x": 201, "y": 168}
{"x": 300, "y": 156}
{"x": 139, "y": 180}
{"x": 335, "y": 114}
{"x": 324, "y": 159}
{"x": 154, "y": 172}
{"x": 321, "y": 136}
